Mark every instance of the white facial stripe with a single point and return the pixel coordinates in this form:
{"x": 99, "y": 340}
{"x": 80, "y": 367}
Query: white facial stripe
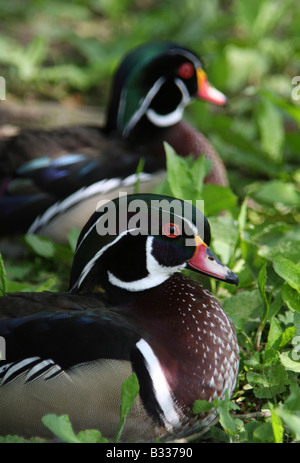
{"x": 130, "y": 180}
{"x": 155, "y": 268}
{"x": 138, "y": 285}
{"x": 91, "y": 263}
{"x": 166, "y": 120}
{"x": 157, "y": 273}
{"x": 183, "y": 219}
{"x": 154, "y": 278}
{"x": 185, "y": 94}
{"x": 188, "y": 55}
{"x": 143, "y": 107}
{"x": 160, "y": 385}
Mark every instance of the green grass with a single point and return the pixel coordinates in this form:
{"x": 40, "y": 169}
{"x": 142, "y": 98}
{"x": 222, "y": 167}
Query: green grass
{"x": 251, "y": 49}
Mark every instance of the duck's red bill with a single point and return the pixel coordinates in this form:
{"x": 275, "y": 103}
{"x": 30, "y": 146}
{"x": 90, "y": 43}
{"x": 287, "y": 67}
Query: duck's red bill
{"x": 207, "y": 92}
{"x": 206, "y": 262}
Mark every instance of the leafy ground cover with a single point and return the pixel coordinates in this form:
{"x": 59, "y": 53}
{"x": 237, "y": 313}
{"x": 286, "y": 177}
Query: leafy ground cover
{"x": 66, "y": 52}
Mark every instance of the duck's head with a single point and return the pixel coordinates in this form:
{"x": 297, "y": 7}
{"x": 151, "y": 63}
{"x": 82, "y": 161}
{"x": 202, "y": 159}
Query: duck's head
{"x": 153, "y": 85}
{"x": 137, "y": 242}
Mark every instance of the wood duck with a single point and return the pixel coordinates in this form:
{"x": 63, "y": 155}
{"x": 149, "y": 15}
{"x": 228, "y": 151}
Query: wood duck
{"x": 151, "y": 88}
{"x": 128, "y": 309}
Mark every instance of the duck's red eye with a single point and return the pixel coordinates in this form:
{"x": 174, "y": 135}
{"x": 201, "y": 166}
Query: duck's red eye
{"x": 186, "y": 71}
{"x": 171, "y": 230}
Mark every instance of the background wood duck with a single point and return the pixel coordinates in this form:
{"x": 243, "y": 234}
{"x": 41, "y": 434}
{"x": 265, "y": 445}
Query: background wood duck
{"x": 151, "y": 88}
{"x": 128, "y": 309}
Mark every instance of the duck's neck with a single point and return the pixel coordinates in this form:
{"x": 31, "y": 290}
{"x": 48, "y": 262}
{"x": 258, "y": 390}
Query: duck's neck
{"x": 145, "y": 133}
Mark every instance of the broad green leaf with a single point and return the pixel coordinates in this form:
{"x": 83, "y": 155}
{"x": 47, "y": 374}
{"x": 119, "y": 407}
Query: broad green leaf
{"x": 19, "y": 272}
{"x": 185, "y": 175}
{"x": 275, "y": 307}
{"x": 91, "y": 436}
{"x": 270, "y": 356}
{"x": 291, "y": 109}
{"x": 274, "y": 335}
{"x": 41, "y": 246}
{"x": 178, "y": 175}
{"x": 163, "y": 188}
{"x": 219, "y": 435}
{"x": 277, "y": 191}
{"x": 48, "y": 284}
{"x": 37, "y": 51}
{"x": 198, "y": 168}
{"x": 272, "y": 233}
{"x": 246, "y": 154}
{"x": 292, "y": 421}
{"x": 283, "y": 248}
{"x": 254, "y": 378}
{"x": 288, "y": 270}
{"x": 247, "y": 12}
{"x": 287, "y": 336}
{"x": 292, "y": 402}
{"x": 130, "y": 389}
{"x": 224, "y": 407}
{"x": 244, "y": 63}
{"x": 73, "y": 74}
{"x": 217, "y": 198}
{"x": 263, "y": 433}
{"x": 270, "y": 123}
{"x": 291, "y": 297}
{"x": 269, "y": 392}
{"x": 286, "y": 358}
{"x": 244, "y": 308}
{"x": 12, "y": 286}
{"x": 269, "y": 15}
{"x": 270, "y": 382}
{"x": 202, "y": 406}
{"x": 224, "y": 236}
{"x": 62, "y": 428}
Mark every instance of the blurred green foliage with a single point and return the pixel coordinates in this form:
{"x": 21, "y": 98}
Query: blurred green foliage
{"x": 251, "y": 50}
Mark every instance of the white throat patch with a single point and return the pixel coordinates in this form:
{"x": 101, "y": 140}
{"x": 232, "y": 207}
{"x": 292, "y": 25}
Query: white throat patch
{"x": 157, "y": 273}
{"x": 160, "y": 120}
{"x": 167, "y": 120}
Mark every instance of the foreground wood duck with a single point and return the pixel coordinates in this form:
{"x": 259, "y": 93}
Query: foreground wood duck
{"x": 151, "y": 88}
{"x": 128, "y": 310}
